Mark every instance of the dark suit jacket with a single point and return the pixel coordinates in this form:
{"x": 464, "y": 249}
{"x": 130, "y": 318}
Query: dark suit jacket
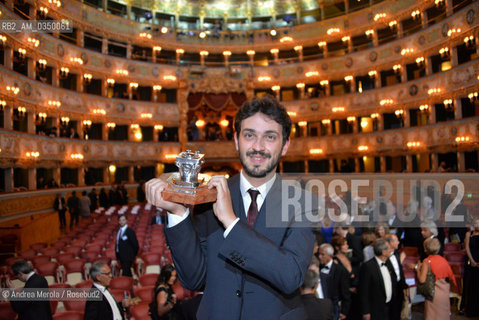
{"x": 99, "y": 310}
{"x": 33, "y": 310}
{"x": 128, "y": 248}
{"x": 398, "y": 295}
{"x": 372, "y": 292}
{"x": 317, "y": 309}
{"x": 338, "y": 286}
{"x": 56, "y": 204}
{"x": 253, "y": 273}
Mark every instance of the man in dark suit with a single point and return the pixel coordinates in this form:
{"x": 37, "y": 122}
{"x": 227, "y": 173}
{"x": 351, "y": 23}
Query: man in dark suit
{"x": 30, "y": 309}
{"x": 376, "y": 285}
{"x": 126, "y": 246}
{"x": 74, "y": 208}
{"x": 251, "y": 251}
{"x": 394, "y": 263}
{"x": 158, "y": 218}
{"x": 107, "y": 308}
{"x": 316, "y": 309}
{"x": 60, "y": 206}
{"x": 334, "y": 281}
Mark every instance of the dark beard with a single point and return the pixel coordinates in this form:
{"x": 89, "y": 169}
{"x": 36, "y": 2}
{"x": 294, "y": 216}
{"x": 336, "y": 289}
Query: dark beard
{"x": 254, "y": 172}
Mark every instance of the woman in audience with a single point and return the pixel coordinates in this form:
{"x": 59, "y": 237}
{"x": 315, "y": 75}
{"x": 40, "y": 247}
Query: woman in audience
{"x": 381, "y": 230}
{"x": 341, "y": 251}
{"x": 471, "y": 276}
{"x": 439, "y": 308}
{"x": 368, "y": 250}
{"x": 163, "y": 306}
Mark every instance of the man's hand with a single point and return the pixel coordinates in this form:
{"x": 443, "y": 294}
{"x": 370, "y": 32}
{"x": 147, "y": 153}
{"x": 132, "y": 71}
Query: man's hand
{"x": 342, "y": 316}
{"x": 367, "y": 316}
{"x": 223, "y": 208}
{"x": 154, "y": 188}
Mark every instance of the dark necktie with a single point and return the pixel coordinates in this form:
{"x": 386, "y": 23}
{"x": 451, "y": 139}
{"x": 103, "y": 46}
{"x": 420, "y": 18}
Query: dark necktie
{"x": 253, "y": 207}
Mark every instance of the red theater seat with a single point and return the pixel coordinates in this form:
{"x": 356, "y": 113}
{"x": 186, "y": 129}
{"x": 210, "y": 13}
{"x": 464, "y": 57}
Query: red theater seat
{"x": 146, "y": 293}
{"x": 122, "y": 282}
{"x": 140, "y": 311}
{"x": 148, "y": 279}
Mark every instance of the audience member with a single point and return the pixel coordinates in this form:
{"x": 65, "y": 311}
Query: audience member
{"x": 140, "y": 192}
{"x": 93, "y": 200}
{"x": 30, "y": 309}
{"x": 429, "y": 231}
{"x": 368, "y": 250}
{"x": 84, "y": 205}
{"x": 164, "y": 305}
{"x": 126, "y": 246}
{"x": 107, "y": 308}
{"x": 103, "y": 199}
{"x": 395, "y": 264}
{"x": 471, "y": 271}
{"x": 74, "y": 207}
{"x": 440, "y": 306}
{"x": 159, "y": 217}
{"x": 60, "y": 206}
{"x": 316, "y": 309}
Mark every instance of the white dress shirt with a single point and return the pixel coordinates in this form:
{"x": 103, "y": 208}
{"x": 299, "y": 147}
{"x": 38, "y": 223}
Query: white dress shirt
{"x": 395, "y": 263}
{"x": 325, "y": 270}
{"x": 111, "y": 300}
{"x": 386, "y": 279}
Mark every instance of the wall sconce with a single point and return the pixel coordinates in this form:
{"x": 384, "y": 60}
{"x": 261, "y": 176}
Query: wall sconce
{"x": 315, "y": 151}
{"x": 302, "y": 123}
{"x": 384, "y": 102}
{"x": 439, "y": 3}
{"x": 227, "y": 53}
{"x": 311, "y": 74}
{"x": 43, "y": 12}
{"x": 444, "y": 52}
{"x": 472, "y": 96}
{"x": 462, "y": 139}
{"x": 298, "y": 48}
{"x": 63, "y": 73}
{"x": 54, "y": 103}
{"x": 453, "y": 31}
{"x": 372, "y": 74}
{"x": 87, "y": 78}
{"x": 164, "y": 30}
{"x": 273, "y": 32}
{"x": 3, "y": 104}
{"x": 375, "y": 117}
{"x": 169, "y": 77}
{"x": 322, "y": 44}
{"x": 134, "y": 86}
{"x": 276, "y": 89}
{"x": 110, "y": 82}
{"x": 3, "y": 40}
{"x": 379, "y": 16}
{"x": 345, "y": 38}
{"x": 99, "y": 111}
{"x": 204, "y": 53}
{"x": 86, "y": 124}
{"x": 21, "y": 53}
{"x": 469, "y": 41}
{"x": 326, "y": 122}
{"x": 363, "y": 148}
{"x": 285, "y": 39}
{"x": 424, "y": 108}
{"x": 41, "y": 117}
{"x": 448, "y": 104}
{"x": 134, "y": 126}
{"x": 64, "y": 121}
{"x": 41, "y": 65}
{"x": 291, "y": 113}
{"x": 300, "y": 85}
{"x": 32, "y": 155}
{"x": 56, "y": 3}
{"x": 323, "y": 83}
{"x": 399, "y": 114}
{"x": 420, "y": 61}
{"x": 33, "y": 42}
{"x": 407, "y": 51}
{"x": 76, "y": 156}
{"x": 158, "y": 127}
{"x": 351, "y": 119}
{"x": 413, "y": 144}
{"x": 348, "y": 78}
{"x": 156, "y": 49}
{"x": 202, "y": 35}
{"x": 274, "y": 51}
{"x": 111, "y": 125}
{"x": 145, "y": 35}
{"x": 224, "y": 123}
{"x": 180, "y": 51}
{"x": 157, "y": 87}
{"x": 146, "y": 116}
{"x": 333, "y": 30}
{"x": 264, "y": 78}
{"x": 397, "y": 68}
{"x": 415, "y": 14}
{"x": 337, "y": 109}
{"x": 434, "y": 91}
{"x": 369, "y": 33}
{"x": 250, "y": 52}
{"x": 13, "y": 90}
{"x": 21, "y": 111}
{"x": 393, "y": 24}
{"x": 200, "y": 123}
{"x": 121, "y": 72}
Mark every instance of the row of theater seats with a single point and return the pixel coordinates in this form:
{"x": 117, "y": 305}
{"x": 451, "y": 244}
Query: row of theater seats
{"x": 453, "y": 253}
{"x": 66, "y": 262}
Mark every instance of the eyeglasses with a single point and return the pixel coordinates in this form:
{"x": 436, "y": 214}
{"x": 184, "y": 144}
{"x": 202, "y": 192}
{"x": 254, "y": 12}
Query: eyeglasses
{"x": 107, "y": 273}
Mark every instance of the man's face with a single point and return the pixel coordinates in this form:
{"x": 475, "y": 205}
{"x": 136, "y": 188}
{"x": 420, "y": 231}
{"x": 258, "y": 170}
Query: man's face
{"x": 394, "y": 243}
{"x": 122, "y": 221}
{"x": 425, "y": 233}
{"x": 260, "y": 145}
{"x": 105, "y": 276}
{"x": 324, "y": 258}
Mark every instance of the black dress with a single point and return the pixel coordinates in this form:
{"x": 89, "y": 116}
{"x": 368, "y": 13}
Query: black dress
{"x": 154, "y": 306}
{"x": 472, "y": 282}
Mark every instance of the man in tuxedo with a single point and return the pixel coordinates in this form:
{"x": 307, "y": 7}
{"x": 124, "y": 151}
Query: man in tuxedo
{"x": 60, "y": 206}
{"x": 74, "y": 207}
{"x": 394, "y": 263}
{"x": 107, "y": 308}
{"x": 316, "y": 309}
{"x": 250, "y": 250}
{"x": 158, "y": 218}
{"x": 430, "y": 230}
{"x": 376, "y": 285}
{"x": 126, "y": 246}
{"x": 334, "y": 281}
{"x": 30, "y": 309}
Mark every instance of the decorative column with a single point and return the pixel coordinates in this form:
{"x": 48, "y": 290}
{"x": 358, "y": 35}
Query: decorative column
{"x": 331, "y": 165}
{"x": 79, "y": 80}
{"x": 357, "y": 166}
{"x": 30, "y": 122}
{"x": 432, "y": 114}
{"x": 32, "y": 178}
{"x": 461, "y": 162}
{"x": 8, "y": 58}
{"x": 8, "y": 117}
{"x": 104, "y": 45}
{"x": 409, "y": 163}
{"x": 57, "y": 173}
{"x": 251, "y": 54}
{"x": 382, "y": 163}
{"x": 129, "y": 49}
{"x": 454, "y": 57}
{"x": 81, "y": 175}
{"x": 424, "y": 19}
{"x": 457, "y": 108}
{"x": 428, "y": 66}
{"x": 31, "y": 68}
{"x": 299, "y": 51}
{"x": 449, "y": 7}
{"x": 275, "y": 52}
{"x": 8, "y": 179}
{"x": 433, "y": 163}
{"x": 106, "y": 176}
{"x": 182, "y": 95}
{"x": 55, "y": 78}
{"x": 80, "y": 38}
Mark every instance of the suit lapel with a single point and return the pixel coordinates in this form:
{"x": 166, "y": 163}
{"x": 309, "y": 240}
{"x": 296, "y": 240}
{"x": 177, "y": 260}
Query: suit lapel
{"x": 381, "y": 279}
{"x": 236, "y": 198}
{"x": 271, "y": 205}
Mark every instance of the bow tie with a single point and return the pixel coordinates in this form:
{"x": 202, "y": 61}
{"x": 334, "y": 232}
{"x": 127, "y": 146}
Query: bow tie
{"x": 324, "y": 267}
{"x": 383, "y": 264}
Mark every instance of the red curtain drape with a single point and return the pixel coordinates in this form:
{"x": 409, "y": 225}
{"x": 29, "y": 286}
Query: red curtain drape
{"x": 215, "y": 101}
